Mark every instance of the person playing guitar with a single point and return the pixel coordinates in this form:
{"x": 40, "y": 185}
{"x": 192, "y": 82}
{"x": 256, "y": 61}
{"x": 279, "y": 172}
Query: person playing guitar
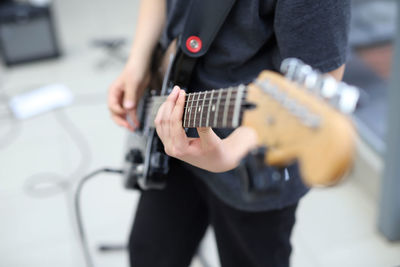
{"x": 257, "y": 35}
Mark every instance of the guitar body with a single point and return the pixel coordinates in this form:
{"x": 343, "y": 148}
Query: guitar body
{"x": 147, "y": 165}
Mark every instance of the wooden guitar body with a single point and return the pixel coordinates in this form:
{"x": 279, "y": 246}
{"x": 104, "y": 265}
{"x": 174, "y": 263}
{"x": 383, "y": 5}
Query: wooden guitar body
{"x": 321, "y": 139}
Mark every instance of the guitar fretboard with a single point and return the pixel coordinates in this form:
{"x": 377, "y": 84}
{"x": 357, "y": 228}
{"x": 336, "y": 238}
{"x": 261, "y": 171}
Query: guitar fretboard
{"x": 215, "y": 108}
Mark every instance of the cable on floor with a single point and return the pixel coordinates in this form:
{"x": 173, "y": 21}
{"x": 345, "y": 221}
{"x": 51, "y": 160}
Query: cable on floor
{"x": 78, "y": 212}
{"x": 46, "y": 184}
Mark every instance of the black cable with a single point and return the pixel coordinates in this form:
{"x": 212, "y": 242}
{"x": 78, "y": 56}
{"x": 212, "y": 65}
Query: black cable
{"x": 78, "y": 213}
{"x": 81, "y": 229}
{"x": 47, "y": 183}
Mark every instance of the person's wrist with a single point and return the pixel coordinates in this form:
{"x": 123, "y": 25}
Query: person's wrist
{"x": 135, "y": 69}
{"x": 139, "y": 57}
{"x": 137, "y": 64}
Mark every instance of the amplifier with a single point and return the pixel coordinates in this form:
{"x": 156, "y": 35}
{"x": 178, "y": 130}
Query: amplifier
{"x": 27, "y": 33}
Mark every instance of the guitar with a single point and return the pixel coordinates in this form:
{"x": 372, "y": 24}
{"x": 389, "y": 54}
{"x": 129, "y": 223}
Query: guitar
{"x": 298, "y": 117}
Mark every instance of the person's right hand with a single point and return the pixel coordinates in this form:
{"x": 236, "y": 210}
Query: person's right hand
{"x": 125, "y": 92}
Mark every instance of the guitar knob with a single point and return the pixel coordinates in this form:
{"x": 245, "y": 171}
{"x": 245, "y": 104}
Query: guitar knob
{"x": 159, "y": 162}
{"x": 134, "y": 156}
{"x": 139, "y": 170}
{"x": 134, "y": 168}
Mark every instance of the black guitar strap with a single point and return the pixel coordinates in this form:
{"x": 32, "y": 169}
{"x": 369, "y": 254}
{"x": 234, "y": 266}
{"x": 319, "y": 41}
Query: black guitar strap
{"x": 204, "y": 21}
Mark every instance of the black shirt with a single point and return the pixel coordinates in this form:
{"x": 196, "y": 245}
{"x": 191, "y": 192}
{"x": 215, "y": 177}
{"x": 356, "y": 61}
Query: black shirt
{"x": 258, "y": 35}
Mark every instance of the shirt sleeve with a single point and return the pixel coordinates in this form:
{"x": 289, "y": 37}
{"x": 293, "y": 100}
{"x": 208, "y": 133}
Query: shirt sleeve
{"x": 315, "y": 31}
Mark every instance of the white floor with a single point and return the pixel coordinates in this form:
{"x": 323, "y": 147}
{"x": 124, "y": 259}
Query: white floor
{"x": 336, "y": 226}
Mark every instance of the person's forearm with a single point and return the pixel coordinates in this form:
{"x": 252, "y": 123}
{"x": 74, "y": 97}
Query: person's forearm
{"x": 151, "y": 19}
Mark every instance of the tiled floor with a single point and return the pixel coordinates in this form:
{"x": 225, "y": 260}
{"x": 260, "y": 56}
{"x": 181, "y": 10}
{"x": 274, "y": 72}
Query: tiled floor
{"x": 336, "y": 226}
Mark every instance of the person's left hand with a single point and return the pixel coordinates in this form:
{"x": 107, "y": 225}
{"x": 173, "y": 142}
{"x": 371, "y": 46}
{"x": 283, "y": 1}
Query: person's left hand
{"x": 208, "y": 152}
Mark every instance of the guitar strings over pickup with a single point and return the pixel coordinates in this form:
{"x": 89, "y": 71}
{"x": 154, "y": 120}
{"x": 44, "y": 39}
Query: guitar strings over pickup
{"x": 295, "y": 108}
{"x": 339, "y": 94}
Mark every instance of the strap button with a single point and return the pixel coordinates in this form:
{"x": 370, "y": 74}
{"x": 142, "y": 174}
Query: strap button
{"x": 193, "y": 44}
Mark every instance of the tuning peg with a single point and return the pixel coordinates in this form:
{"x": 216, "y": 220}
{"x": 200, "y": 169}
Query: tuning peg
{"x": 339, "y": 94}
{"x": 302, "y": 72}
{"x": 289, "y": 67}
{"x": 328, "y": 87}
{"x": 313, "y": 81}
{"x": 297, "y": 71}
{"x": 349, "y": 96}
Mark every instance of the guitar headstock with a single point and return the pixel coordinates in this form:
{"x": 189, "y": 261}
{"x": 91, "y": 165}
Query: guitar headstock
{"x": 301, "y": 117}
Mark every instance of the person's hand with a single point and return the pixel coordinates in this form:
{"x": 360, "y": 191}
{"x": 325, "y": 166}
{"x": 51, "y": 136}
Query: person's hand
{"x": 124, "y": 93}
{"x": 208, "y": 152}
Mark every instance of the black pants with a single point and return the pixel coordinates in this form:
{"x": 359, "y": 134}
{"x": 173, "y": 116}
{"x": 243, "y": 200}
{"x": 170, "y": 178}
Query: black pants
{"x": 170, "y": 224}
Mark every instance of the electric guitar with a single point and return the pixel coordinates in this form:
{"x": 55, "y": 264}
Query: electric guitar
{"x": 298, "y": 117}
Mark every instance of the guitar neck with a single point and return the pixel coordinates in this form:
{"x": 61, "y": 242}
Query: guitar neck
{"x": 220, "y": 108}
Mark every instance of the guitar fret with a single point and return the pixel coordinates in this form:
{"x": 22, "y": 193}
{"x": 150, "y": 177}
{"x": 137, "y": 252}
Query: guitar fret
{"x": 209, "y": 108}
{"x": 224, "y": 121}
{"x": 238, "y": 102}
{"x": 202, "y": 109}
{"x": 217, "y": 108}
{"x": 195, "y": 112}
{"x": 186, "y": 112}
{"x": 190, "y": 108}
{"x": 213, "y": 108}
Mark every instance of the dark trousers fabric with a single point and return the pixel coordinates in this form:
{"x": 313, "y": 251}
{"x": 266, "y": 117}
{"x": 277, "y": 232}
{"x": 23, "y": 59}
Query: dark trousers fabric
{"x": 170, "y": 223}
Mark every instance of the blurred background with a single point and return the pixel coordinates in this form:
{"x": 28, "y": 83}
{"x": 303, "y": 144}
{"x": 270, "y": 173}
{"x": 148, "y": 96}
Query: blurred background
{"x": 76, "y": 49}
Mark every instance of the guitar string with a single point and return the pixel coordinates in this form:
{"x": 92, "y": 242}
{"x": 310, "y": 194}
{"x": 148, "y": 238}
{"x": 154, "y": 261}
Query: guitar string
{"x": 193, "y": 104}
{"x": 196, "y": 94}
{"x": 203, "y": 121}
{"x": 195, "y": 116}
{"x": 158, "y": 100}
{"x": 229, "y": 116}
{"x": 192, "y": 100}
{"x": 213, "y": 114}
{"x": 203, "y": 106}
{"x": 204, "y": 111}
{"x": 150, "y": 105}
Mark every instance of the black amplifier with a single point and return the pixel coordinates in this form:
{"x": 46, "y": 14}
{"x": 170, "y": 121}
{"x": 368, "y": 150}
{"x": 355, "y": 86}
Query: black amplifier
{"x": 27, "y": 33}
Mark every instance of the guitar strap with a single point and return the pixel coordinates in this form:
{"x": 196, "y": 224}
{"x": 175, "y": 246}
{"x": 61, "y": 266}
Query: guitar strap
{"x": 203, "y": 22}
